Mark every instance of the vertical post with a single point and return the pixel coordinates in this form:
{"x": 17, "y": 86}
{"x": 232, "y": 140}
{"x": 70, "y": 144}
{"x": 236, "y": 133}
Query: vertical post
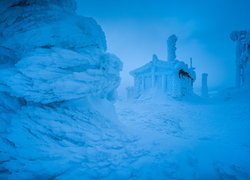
{"x": 204, "y": 87}
{"x": 163, "y": 82}
{"x": 143, "y": 83}
{"x": 238, "y": 72}
{"x": 153, "y": 76}
{"x": 238, "y": 37}
{"x": 136, "y": 87}
{"x": 191, "y": 63}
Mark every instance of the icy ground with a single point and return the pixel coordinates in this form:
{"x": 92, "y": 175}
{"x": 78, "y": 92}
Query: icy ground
{"x": 158, "y": 138}
{"x": 189, "y": 139}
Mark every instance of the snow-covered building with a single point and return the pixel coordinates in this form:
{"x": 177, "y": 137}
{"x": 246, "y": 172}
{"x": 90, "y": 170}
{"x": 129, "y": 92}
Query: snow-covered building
{"x": 242, "y": 39}
{"x": 171, "y": 76}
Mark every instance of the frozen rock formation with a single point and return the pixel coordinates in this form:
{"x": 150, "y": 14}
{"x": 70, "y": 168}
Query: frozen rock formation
{"x": 242, "y": 39}
{"x": 57, "y": 85}
{"x": 52, "y": 54}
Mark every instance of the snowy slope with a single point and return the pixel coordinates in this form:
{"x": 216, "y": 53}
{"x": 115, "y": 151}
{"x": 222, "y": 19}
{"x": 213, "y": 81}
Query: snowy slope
{"x": 190, "y": 138}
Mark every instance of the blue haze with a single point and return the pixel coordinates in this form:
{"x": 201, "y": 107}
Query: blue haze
{"x": 137, "y": 29}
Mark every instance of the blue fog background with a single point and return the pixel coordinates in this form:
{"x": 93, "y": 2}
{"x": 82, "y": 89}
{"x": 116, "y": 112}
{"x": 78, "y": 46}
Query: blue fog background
{"x": 137, "y": 29}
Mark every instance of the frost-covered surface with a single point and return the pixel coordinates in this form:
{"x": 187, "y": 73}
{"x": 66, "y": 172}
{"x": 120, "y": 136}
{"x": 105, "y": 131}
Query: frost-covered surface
{"x": 190, "y": 138}
{"x": 55, "y": 75}
{"x": 29, "y": 24}
{"x": 172, "y": 76}
{"x": 58, "y": 121}
{"x": 242, "y": 75}
{"x": 165, "y": 139}
{"x": 57, "y": 88}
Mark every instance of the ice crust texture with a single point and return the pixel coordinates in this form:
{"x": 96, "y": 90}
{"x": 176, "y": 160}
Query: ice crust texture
{"x": 57, "y": 88}
{"x": 47, "y": 46}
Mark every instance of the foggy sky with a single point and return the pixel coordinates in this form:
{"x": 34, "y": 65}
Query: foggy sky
{"x": 137, "y": 29}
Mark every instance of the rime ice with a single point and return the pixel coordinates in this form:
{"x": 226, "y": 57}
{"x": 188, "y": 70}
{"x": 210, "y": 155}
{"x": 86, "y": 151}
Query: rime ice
{"x": 57, "y": 88}
{"x": 242, "y": 69}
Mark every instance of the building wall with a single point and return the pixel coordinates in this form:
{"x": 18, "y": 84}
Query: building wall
{"x": 169, "y": 82}
{"x": 148, "y": 82}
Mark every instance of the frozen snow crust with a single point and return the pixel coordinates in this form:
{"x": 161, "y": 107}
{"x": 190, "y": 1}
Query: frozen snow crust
{"x": 191, "y": 137}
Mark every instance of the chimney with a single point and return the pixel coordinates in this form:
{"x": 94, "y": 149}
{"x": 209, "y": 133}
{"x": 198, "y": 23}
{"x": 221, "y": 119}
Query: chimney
{"x": 191, "y": 63}
{"x": 172, "y": 47}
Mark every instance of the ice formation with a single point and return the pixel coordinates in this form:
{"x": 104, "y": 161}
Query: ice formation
{"x": 57, "y": 88}
{"x": 172, "y": 47}
{"x": 242, "y": 75}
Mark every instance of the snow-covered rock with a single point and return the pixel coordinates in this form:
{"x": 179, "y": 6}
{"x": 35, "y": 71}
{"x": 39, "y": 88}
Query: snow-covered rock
{"x": 53, "y": 54}
{"x": 242, "y": 67}
{"x": 56, "y": 75}
{"x": 30, "y": 24}
{"x": 57, "y": 88}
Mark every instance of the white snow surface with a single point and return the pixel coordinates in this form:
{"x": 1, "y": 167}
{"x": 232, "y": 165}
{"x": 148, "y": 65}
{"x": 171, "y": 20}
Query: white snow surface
{"x": 190, "y": 138}
{"x": 156, "y": 137}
